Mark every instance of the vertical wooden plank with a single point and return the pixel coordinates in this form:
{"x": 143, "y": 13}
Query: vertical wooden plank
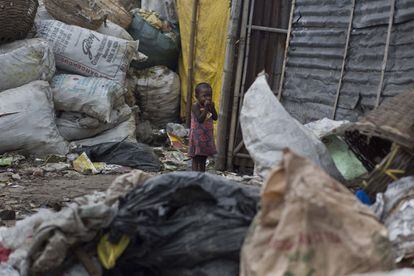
{"x": 348, "y": 36}
{"x": 387, "y": 47}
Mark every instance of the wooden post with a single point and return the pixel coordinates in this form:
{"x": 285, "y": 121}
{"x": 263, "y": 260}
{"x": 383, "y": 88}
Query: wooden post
{"x": 282, "y": 77}
{"x": 228, "y": 74}
{"x": 191, "y": 62}
{"x": 237, "y": 84}
{"x": 387, "y": 47}
{"x": 348, "y": 36}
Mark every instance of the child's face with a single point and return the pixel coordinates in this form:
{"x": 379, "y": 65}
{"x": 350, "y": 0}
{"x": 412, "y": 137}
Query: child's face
{"x": 204, "y": 95}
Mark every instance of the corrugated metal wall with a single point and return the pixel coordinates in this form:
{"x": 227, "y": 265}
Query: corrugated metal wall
{"x": 316, "y": 51}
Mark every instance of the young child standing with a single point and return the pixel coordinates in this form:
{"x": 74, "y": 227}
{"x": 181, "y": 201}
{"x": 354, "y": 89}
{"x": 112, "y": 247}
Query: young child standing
{"x": 203, "y": 113}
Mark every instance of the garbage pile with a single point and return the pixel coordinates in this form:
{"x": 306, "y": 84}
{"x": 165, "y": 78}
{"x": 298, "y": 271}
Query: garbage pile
{"x": 309, "y": 218}
{"x": 87, "y": 75}
{"x": 180, "y": 223}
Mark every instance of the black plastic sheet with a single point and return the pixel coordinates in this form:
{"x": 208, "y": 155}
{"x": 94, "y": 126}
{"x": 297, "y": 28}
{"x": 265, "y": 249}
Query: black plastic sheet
{"x": 185, "y": 223}
{"x": 134, "y": 155}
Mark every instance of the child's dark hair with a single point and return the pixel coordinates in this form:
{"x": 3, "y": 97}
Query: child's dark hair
{"x": 202, "y": 86}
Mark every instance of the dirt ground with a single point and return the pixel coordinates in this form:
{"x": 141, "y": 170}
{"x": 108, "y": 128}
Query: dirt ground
{"x": 28, "y": 184}
{"x": 30, "y": 193}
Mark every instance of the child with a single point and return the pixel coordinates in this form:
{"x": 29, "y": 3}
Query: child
{"x": 203, "y": 113}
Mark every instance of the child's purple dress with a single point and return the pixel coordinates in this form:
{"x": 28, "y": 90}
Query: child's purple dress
{"x": 201, "y": 138}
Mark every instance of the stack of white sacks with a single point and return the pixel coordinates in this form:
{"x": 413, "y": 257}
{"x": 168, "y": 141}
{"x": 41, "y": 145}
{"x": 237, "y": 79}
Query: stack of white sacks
{"x": 67, "y": 84}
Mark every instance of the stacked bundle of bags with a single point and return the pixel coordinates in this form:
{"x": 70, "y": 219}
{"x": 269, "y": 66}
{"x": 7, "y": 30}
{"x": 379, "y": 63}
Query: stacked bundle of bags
{"x": 69, "y": 82}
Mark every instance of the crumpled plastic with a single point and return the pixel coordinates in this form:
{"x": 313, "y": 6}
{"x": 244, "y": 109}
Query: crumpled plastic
{"x": 395, "y": 208}
{"x": 40, "y": 243}
{"x": 108, "y": 252}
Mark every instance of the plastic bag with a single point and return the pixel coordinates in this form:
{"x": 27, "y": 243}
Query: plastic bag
{"x": 112, "y": 29}
{"x": 134, "y": 155}
{"x": 395, "y": 208}
{"x": 25, "y": 61}
{"x": 344, "y": 158}
{"x": 86, "y": 52}
{"x": 42, "y": 13}
{"x": 310, "y": 224}
{"x": 95, "y": 97}
{"x": 268, "y": 129}
{"x": 400, "y": 272}
{"x": 30, "y": 125}
{"x": 158, "y": 93}
{"x": 123, "y": 132}
{"x": 184, "y": 221}
{"x": 84, "y": 165}
{"x": 76, "y": 126}
{"x": 108, "y": 253}
{"x": 161, "y": 48}
{"x": 165, "y": 8}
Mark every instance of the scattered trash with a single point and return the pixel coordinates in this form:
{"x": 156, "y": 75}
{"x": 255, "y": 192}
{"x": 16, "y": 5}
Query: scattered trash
{"x": 84, "y": 165}
{"x": 363, "y": 197}
{"x": 400, "y": 272}
{"x": 144, "y": 132}
{"x": 54, "y": 237}
{"x": 38, "y": 172}
{"x": 31, "y": 127}
{"x": 174, "y": 160}
{"x": 46, "y": 241}
{"x": 268, "y": 129}
{"x": 25, "y": 61}
{"x": 72, "y": 175}
{"x": 55, "y": 167}
{"x": 166, "y": 9}
{"x": 16, "y": 176}
{"x": 158, "y": 93}
{"x": 325, "y": 127}
{"x": 183, "y": 222}
{"x": 178, "y": 143}
{"x": 384, "y": 141}
{"x": 395, "y": 208}
{"x": 310, "y": 224}
{"x": 124, "y": 153}
{"x": 178, "y": 130}
{"x": 55, "y": 158}
{"x": 6, "y": 161}
{"x": 108, "y": 253}
{"x": 76, "y": 12}
{"x": 397, "y": 164}
{"x": 162, "y": 48}
{"x": 72, "y": 58}
{"x": 7, "y": 215}
{"x": 344, "y": 158}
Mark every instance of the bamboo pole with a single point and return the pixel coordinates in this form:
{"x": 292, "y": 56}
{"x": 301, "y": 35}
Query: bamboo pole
{"x": 282, "y": 77}
{"x": 387, "y": 47}
{"x": 190, "y": 76}
{"x": 228, "y": 74}
{"x": 246, "y": 57}
{"x": 237, "y": 84}
{"x": 348, "y": 36}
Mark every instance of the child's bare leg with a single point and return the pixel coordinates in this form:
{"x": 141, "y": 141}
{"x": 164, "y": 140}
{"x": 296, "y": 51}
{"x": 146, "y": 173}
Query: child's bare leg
{"x": 203, "y": 161}
{"x": 194, "y": 164}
